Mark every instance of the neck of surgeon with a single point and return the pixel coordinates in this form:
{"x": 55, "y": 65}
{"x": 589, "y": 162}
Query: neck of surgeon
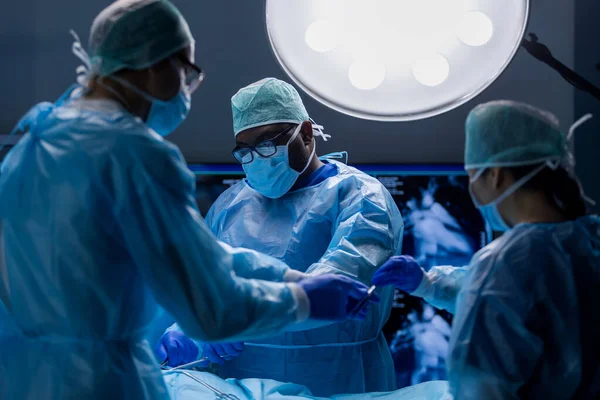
{"x": 101, "y": 88}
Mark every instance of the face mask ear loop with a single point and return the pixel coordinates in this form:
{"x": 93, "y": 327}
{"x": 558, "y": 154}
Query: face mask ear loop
{"x": 518, "y": 184}
{"x": 294, "y": 136}
{"x": 477, "y": 175}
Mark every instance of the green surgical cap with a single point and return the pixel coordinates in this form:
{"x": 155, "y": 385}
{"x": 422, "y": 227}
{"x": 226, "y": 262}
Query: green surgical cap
{"x": 507, "y": 134}
{"x": 136, "y": 34}
{"x": 266, "y": 102}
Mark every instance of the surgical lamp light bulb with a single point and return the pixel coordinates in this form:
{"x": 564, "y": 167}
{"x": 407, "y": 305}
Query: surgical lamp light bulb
{"x": 431, "y": 71}
{"x": 321, "y": 36}
{"x": 366, "y": 74}
{"x": 475, "y": 29}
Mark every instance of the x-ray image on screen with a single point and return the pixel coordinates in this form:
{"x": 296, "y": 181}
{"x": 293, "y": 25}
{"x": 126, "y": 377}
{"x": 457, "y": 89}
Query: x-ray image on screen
{"x": 442, "y": 227}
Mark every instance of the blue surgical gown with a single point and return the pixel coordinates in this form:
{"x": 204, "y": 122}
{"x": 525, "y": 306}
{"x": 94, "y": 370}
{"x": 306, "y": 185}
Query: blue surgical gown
{"x": 98, "y": 225}
{"x": 347, "y": 224}
{"x": 527, "y": 323}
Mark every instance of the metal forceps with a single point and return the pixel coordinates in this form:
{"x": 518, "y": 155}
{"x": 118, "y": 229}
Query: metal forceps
{"x": 219, "y": 395}
{"x": 362, "y": 304}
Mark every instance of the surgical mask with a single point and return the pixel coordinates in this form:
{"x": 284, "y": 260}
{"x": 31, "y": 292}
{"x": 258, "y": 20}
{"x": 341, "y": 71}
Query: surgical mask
{"x": 272, "y": 176}
{"x": 164, "y": 116}
{"x": 489, "y": 211}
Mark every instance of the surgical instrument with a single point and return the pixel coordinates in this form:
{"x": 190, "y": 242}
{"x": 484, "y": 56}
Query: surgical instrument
{"x": 363, "y": 303}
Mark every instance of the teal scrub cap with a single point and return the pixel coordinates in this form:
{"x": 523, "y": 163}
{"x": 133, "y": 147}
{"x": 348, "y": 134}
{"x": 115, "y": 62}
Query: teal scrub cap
{"x": 507, "y": 133}
{"x": 136, "y": 34}
{"x": 268, "y": 101}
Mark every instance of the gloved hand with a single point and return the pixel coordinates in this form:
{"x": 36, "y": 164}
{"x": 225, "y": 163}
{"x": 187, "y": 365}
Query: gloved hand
{"x": 332, "y": 297}
{"x": 177, "y": 348}
{"x": 218, "y": 353}
{"x": 404, "y": 272}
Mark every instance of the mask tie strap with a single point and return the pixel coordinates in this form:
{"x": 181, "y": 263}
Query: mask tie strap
{"x": 577, "y": 124}
{"x": 84, "y": 72}
{"x": 569, "y": 161}
{"x": 517, "y": 185}
{"x": 318, "y": 131}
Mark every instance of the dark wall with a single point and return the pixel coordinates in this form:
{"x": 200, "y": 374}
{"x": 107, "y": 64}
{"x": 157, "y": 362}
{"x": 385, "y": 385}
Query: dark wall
{"x": 233, "y": 48}
{"x": 587, "y": 56}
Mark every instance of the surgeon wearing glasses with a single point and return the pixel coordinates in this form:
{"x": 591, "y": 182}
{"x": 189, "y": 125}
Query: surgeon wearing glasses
{"x": 319, "y": 216}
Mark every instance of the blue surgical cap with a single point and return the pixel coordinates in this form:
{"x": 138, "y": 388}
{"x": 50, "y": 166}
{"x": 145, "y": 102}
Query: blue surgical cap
{"x": 266, "y": 102}
{"x": 136, "y": 34}
{"x": 508, "y": 134}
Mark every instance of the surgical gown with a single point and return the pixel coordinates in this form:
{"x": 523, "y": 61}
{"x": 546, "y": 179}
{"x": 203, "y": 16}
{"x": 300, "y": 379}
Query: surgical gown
{"x": 347, "y": 224}
{"x": 527, "y": 323}
{"x": 98, "y": 223}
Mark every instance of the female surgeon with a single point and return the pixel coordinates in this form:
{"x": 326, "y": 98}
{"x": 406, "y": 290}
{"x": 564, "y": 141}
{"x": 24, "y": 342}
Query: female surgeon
{"x": 527, "y": 323}
{"x": 99, "y": 225}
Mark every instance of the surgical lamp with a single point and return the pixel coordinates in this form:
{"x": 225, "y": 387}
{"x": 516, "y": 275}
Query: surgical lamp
{"x": 395, "y": 60}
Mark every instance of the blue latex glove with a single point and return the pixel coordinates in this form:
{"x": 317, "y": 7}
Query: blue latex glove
{"x": 218, "y": 353}
{"x": 333, "y": 297}
{"x": 404, "y": 272}
{"x": 177, "y": 348}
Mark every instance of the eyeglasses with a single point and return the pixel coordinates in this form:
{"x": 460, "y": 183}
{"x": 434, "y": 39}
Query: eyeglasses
{"x": 193, "y": 75}
{"x": 266, "y": 148}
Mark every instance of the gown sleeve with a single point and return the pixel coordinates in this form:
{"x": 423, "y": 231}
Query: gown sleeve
{"x": 367, "y": 232}
{"x": 440, "y": 286}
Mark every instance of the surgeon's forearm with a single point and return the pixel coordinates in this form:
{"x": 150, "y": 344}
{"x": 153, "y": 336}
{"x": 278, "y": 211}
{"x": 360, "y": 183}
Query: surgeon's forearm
{"x": 260, "y": 309}
{"x": 440, "y": 286}
{"x": 247, "y": 308}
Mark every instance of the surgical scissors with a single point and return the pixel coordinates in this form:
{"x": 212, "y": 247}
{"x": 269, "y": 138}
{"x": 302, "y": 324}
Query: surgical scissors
{"x": 362, "y": 304}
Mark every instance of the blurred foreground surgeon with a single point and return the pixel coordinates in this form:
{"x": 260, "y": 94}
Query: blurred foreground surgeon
{"x": 319, "y": 216}
{"x": 527, "y": 323}
{"x": 98, "y": 224}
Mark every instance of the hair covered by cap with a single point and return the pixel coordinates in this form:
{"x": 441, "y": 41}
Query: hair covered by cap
{"x": 506, "y": 133}
{"x": 136, "y": 34}
{"x": 268, "y": 101}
